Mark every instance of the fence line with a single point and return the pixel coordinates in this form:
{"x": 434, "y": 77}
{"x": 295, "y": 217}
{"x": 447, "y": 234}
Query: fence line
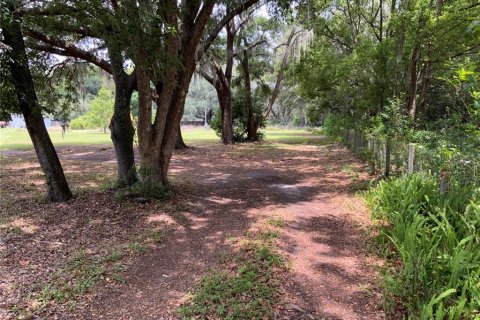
{"x": 398, "y": 157}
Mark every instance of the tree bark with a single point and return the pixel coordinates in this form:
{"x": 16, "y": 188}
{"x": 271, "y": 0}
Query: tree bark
{"x": 171, "y": 79}
{"x": 227, "y": 122}
{"x": 221, "y": 81}
{"x": 412, "y": 83}
{"x": 422, "y": 101}
{"x": 180, "y": 144}
{"x": 252, "y": 129}
{"x": 121, "y": 128}
{"x": 226, "y": 100}
{"x": 252, "y": 126}
{"x": 224, "y": 96}
{"x": 58, "y": 189}
{"x": 388, "y": 156}
{"x": 399, "y": 49}
{"x": 149, "y": 142}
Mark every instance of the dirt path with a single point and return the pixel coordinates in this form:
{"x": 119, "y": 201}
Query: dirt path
{"x": 237, "y": 188}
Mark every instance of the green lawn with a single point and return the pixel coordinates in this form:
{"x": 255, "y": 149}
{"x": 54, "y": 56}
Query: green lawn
{"x": 14, "y": 139}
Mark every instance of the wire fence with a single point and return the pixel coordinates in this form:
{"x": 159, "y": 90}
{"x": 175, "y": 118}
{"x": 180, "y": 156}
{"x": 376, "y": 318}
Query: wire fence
{"x": 395, "y": 157}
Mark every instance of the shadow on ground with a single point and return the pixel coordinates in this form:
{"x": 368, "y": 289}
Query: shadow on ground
{"x": 236, "y": 189}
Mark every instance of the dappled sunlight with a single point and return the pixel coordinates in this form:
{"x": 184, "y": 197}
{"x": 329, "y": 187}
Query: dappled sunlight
{"x": 25, "y": 225}
{"x": 221, "y": 200}
{"x": 219, "y": 194}
{"x": 160, "y": 219}
{"x": 23, "y": 166}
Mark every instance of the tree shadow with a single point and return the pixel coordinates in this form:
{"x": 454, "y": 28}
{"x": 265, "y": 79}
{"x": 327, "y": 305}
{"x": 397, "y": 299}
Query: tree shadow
{"x": 232, "y": 191}
{"x": 233, "y": 188}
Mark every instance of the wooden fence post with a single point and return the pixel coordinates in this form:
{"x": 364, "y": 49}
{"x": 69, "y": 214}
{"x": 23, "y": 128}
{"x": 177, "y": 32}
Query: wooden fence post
{"x": 411, "y": 157}
{"x": 443, "y": 182}
{"x": 374, "y": 154}
{"x": 388, "y": 150}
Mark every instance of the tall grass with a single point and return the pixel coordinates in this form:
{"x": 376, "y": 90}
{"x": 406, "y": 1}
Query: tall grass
{"x": 431, "y": 242}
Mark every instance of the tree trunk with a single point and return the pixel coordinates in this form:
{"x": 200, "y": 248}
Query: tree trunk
{"x": 121, "y": 127}
{"x": 422, "y": 101}
{"x": 149, "y": 142}
{"x": 227, "y": 122}
{"x": 226, "y": 101}
{"x": 180, "y": 144}
{"x": 399, "y": 47}
{"x": 224, "y": 96}
{"x": 252, "y": 129}
{"x": 412, "y": 83}
{"x": 222, "y": 84}
{"x": 157, "y": 140}
{"x": 252, "y": 125}
{"x": 57, "y": 185}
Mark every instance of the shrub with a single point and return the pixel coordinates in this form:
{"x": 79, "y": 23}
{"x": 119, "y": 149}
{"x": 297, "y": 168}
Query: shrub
{"x": 80, "y": 123}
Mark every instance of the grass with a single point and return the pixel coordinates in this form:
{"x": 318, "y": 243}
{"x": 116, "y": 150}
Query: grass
{"x": 247, "y": 287}
{"x": 14, "y": 138}
{"x": 276, "y": 222}
{"x": 294, "y": 136}
{"x": 18, "y": 139}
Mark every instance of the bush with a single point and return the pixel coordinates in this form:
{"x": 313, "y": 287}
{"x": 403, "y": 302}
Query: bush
{"x": 455, "y": 151}
{"x": 437, "y": 240}
{"x": 80, "y": 123}
{"x": 335, "y": 126}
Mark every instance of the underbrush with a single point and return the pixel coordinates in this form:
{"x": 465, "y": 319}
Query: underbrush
{"x": 247, "y": 288}
{"x": 431, "y": 243}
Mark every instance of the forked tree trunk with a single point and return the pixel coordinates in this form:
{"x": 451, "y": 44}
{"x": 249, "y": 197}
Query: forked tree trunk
{"x": 222, "y": 84}
{"x": 121, "y": 127}
{"x": 57, "y": 185}
{"x": 254, "y": 121}
{"x": 156, "y": 141}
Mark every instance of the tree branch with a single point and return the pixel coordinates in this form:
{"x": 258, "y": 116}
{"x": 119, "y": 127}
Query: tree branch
{"x": 63, "y": 48}
{"x": 222, "y": 23}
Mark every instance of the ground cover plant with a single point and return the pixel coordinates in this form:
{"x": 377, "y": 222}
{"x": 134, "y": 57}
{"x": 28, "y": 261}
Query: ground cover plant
{"x": 432, "y": 244}
{"x": 247, "y": 287}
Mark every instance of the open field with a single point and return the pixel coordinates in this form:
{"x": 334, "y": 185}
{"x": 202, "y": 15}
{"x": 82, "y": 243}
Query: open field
{"x": 18, "y": 139}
